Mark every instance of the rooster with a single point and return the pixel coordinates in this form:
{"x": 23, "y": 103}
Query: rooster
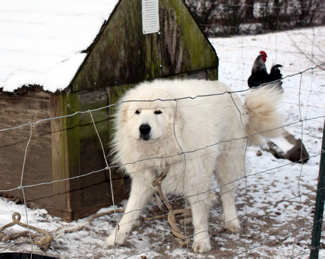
{"x": 259, "y": 74}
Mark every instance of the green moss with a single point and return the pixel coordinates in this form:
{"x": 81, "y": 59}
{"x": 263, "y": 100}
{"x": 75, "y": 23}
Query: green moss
{"x": 60, "y": 170}
{"x": 70, "y": 104}
{"x": 192, "y": 47}
{"x": 213, "y": 74}
{"x": 153, "y": 57}
{"x": 199, "y": 50}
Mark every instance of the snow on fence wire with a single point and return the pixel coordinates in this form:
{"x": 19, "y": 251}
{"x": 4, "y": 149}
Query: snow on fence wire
{"x": 258, "y": 217}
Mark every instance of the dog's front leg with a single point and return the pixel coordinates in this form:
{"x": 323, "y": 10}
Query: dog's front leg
{"x": 200, "y": 212}
{"x": 139, "y": 197}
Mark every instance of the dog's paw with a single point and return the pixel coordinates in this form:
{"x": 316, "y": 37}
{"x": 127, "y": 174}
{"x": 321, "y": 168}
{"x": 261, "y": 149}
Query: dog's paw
{"x": 116, "y": 239}
{"x": 201, "y": 246}
{"x": 231, "y": 225}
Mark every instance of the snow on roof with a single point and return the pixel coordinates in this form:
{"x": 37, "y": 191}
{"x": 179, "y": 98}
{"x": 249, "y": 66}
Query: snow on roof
{"x": 42, "y": 40}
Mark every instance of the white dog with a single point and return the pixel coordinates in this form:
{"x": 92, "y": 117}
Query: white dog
{"x": 192, "y": 128}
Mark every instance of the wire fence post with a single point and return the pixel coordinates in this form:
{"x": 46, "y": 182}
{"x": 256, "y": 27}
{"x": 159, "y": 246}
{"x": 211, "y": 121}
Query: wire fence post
{"x": 319, "y": 208}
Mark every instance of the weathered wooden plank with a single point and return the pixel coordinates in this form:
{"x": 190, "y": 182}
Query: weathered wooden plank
{"x": 60, "y": 158}
{"x": 77, "y": 151}
{"x": 96, "y": 187}
{"x": 28, "y": 105}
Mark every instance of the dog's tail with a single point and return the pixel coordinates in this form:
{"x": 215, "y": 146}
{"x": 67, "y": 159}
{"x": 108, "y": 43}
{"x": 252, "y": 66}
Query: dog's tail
{"x": 264, "y": 119}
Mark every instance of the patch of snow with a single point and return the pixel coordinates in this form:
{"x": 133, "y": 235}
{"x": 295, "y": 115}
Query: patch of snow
{"x": 42, "y": 41}
{"x": 282, "y": 143}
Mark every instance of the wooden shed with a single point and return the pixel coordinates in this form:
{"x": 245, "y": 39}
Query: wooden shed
{"x": 49, "y": 144}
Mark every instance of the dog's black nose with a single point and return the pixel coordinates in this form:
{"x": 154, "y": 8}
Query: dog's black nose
{"x": 144, "y": 131}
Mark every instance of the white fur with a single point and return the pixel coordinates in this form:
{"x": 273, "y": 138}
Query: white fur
{"x": 193, "y": 138}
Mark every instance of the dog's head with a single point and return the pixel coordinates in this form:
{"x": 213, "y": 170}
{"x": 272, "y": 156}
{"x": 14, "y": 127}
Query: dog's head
{"x": 149, "y": 121}
{"x": 147, "y": 117}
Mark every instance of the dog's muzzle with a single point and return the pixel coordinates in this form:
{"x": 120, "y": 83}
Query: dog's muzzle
{"x": 145, "y": 131}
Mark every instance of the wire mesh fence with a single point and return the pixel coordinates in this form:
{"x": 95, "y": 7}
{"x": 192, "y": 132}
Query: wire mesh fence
{"x": 275, "y": 198}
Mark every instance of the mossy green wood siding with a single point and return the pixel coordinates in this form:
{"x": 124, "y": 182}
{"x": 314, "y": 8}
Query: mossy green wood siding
{"x": 77, "y": 154}
{"x": 65, "y": 151}
{"x": 122, "y": 55}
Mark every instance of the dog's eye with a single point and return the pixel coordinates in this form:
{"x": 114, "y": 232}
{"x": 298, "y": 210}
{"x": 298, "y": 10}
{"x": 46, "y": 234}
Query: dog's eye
{"x": 137, "y": 112}
{"x": 158, "y": 111}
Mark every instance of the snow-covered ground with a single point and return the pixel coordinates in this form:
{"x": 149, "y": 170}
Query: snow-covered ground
{"x": 275, "y": 201}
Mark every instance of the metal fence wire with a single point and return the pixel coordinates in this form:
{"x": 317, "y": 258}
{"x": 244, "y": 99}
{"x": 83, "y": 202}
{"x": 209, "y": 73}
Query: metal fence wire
{"x": 281, "y": 216}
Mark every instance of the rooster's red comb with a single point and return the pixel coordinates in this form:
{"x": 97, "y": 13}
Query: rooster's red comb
{"x": 263, "y": 53}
